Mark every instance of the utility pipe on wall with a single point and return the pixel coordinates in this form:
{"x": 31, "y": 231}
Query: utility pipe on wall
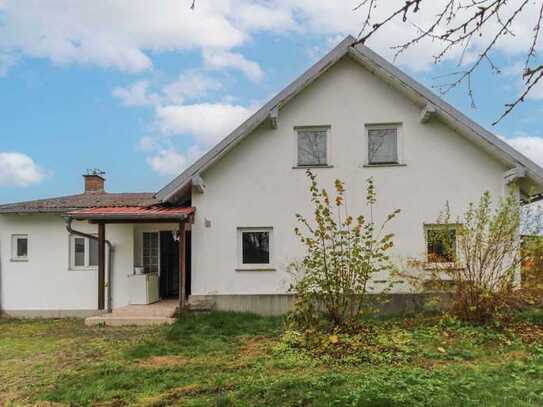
{"x": 68, "y": 222}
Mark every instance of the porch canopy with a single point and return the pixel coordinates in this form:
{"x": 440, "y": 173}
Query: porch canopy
{"x": 136, "y": 214}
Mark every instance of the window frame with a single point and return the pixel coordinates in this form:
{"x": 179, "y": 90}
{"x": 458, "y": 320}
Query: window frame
{"x": 258, "y": 266}
{"x": 157, "y": 233}
{"x": 71, "y": 245}
{"x": 14, "y": 247}
{"x": 399, "y": 143}
{"x": 297, "y": 130}
{"x": 440, "y": 226}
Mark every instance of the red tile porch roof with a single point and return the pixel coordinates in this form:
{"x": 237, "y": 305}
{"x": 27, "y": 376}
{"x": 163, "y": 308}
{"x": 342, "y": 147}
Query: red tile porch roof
{"x": 133, "y": 213}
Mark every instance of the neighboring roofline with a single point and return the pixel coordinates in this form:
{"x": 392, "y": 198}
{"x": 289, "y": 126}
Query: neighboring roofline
{"x": 22, "y": 208}
{"x": 384, "y": 69}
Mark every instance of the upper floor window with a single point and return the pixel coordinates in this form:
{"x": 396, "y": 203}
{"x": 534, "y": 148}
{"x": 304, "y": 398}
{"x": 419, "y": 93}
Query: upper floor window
{"x": 19, "y": 247}
{"x": 312, "y": 146}
{"x": 382, "y": 145}
{"x": 440, "y": 243}
{"x": 83, "y": 252}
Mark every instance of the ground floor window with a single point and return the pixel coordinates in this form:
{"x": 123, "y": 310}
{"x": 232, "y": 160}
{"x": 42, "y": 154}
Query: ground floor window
{"x": 440, "y": 243}
{"x": 83, "y": 252}
{"x": 19, "y": 247}
{"x": 150, "y": 252}
{"x": 255, "y": 246}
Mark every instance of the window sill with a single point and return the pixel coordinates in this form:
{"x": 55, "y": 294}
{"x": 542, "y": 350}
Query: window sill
{"x": 256, "y": 268}
{"x": 384, "y": 165}
{"x": 20, "y": 260}
{"x": 442, "y": 266}
{"x": 72, "y": 268}
{"x": 306, "y": 167}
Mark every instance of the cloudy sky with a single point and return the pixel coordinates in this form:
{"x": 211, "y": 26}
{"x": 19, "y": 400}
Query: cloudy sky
{"x": 141, "y": 88}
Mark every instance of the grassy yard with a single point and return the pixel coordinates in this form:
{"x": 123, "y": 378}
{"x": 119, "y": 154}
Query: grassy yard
{"x": 231, "y": 359}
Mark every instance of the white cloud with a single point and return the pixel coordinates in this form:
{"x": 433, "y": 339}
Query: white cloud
{"x": 122, "y": 34}
{"x": 167, "y": 162}
{"x": 18, "y": 169}
{"x": 114, "y": 34}
{"x": 219, "y": 59}
{"x": 206, "y": 122}
{"x": 189, "y": 85}
{"x": 170, "y": 162}
{"x": 135, "y": 94}
{"x": 530, "y": 146}
{"x": 7, "y": 60}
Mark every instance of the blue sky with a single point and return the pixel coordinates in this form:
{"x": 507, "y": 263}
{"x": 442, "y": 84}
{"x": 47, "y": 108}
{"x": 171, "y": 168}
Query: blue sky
{"x": 140, "y": 89}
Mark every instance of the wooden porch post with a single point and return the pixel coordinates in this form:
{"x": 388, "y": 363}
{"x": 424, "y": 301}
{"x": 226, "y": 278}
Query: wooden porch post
{"x": 101, "y": 265}
{"x": 182, "y": 257}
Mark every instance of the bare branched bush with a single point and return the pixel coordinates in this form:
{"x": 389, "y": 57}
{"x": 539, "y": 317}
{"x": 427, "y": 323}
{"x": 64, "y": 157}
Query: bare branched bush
{"x": 342, "y": 255}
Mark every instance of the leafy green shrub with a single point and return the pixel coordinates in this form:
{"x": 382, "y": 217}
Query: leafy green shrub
{"x": 342, "y": 254}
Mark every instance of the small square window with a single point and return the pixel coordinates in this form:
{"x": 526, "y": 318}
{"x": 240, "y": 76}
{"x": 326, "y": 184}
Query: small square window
{"x": 19, "y": 247}
{"x": 441, "y": 244}
{"x": 255, "y": 247}
{"x": 312, "y": 146}
{"x": 383, "y": 145}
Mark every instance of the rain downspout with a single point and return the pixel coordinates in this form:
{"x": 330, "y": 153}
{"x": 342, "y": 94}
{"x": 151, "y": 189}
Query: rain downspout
{"x": 68, "y": 222}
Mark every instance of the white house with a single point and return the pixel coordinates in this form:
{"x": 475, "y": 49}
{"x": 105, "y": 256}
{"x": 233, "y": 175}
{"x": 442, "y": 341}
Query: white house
{"x": 226, "y": 223}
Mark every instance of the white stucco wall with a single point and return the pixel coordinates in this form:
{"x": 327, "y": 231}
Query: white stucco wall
{"x": 45, "y": 281}
{"x": 255, "y": 184}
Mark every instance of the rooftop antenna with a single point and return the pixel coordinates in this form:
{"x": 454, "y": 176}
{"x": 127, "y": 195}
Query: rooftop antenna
{"x": 95, "y": 171}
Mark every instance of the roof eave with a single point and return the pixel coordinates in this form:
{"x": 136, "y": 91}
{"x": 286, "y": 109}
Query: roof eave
{"x": 386, "y": 71}
{"x": 184, "y": 179}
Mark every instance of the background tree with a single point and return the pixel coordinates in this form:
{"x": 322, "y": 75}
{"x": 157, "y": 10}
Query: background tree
{"x": 462, "y": 26}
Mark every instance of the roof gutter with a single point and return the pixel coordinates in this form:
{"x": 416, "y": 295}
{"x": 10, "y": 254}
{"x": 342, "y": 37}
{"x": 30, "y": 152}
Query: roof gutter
{"x": 68, "y": 221}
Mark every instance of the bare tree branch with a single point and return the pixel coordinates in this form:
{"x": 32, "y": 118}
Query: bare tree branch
{"x": 461, "y": 26}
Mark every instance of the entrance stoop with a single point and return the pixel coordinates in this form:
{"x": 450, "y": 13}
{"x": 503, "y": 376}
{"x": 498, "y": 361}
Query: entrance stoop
{"x": 159, "y": 313}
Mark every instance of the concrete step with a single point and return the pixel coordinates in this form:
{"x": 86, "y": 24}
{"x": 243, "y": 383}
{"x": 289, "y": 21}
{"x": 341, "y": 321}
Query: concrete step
{"x": 200, "y": 305}
{"x": 111, "y": 320}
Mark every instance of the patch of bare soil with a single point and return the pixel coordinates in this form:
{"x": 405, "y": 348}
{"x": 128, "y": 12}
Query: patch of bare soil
{"x": 173, "y": 396}
{"x": 255, "y": 346}
{"x": 158, "y": 362}
{"x": 529, "y": 333}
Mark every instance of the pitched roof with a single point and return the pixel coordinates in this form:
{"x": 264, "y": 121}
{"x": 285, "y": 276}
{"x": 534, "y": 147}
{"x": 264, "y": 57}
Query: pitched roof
{"x": 386, "y": 71}
{"x": 81, "y": 201}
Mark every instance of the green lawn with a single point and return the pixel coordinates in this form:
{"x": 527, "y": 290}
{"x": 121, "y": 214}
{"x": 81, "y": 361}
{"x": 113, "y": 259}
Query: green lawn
{"x": 232, "y": 359}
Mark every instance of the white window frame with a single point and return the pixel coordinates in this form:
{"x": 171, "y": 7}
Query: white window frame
{"x": 157, "y": 232}
{"x": 14, "y": 242}
{"x": 71, "y": 245}
{"x": 437, "y": 264}
{"x": 325, "y": 128}
{"x": 399, "y": 143}
{"x": 260, "y": 266}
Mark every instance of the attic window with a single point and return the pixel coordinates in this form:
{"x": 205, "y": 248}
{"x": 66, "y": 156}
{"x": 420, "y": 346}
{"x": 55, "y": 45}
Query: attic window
{"x": 312, "y": 146}
{"x": 382, "y": 145}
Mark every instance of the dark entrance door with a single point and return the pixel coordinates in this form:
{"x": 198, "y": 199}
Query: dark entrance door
{"x": 169, "y": 266}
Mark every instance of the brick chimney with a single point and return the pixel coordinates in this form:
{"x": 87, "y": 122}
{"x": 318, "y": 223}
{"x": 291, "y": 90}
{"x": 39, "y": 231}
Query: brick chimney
{"x": 94, "y": 181}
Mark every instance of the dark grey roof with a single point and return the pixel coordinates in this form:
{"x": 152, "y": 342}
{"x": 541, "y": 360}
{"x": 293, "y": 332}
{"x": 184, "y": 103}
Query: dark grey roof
{"x": 387, "y": 72}
{"x": 80, "y": 201}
